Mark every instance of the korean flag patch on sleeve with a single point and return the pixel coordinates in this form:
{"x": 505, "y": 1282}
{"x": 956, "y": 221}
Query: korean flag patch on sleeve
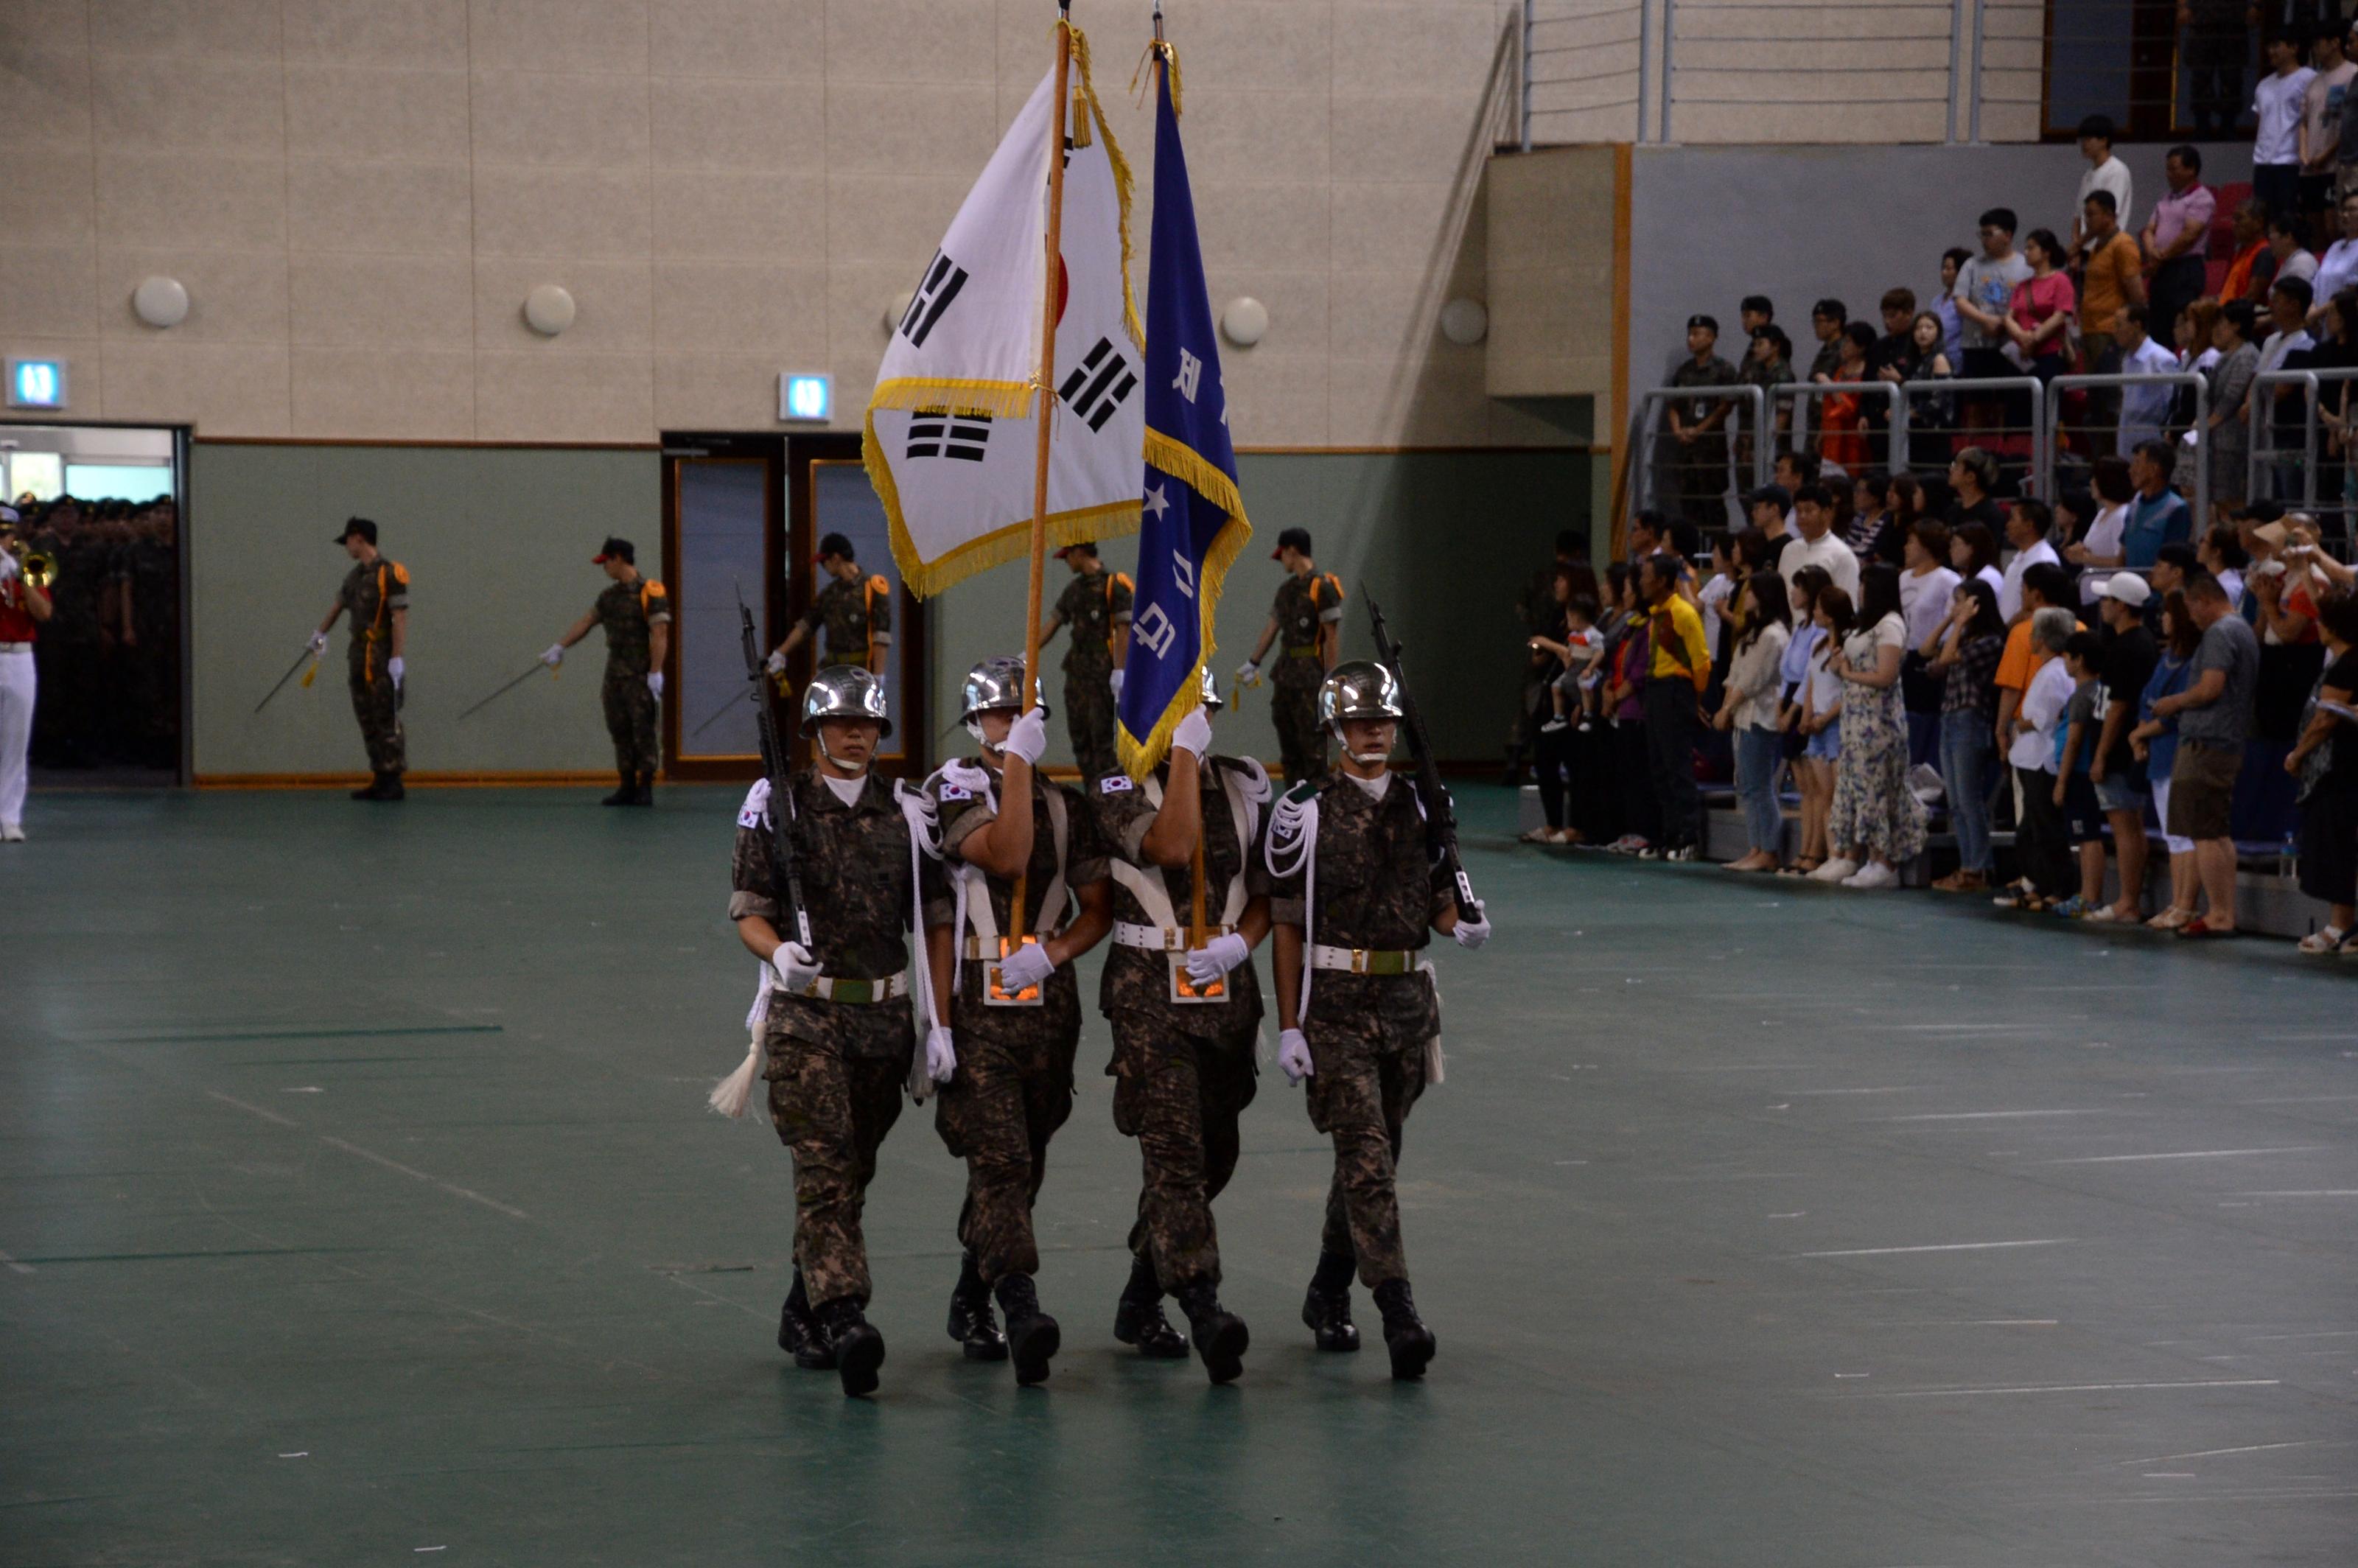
{"x": 1114, "y": 784}
{"x": 755, "y": 812}
{"x": 957, "y": 791}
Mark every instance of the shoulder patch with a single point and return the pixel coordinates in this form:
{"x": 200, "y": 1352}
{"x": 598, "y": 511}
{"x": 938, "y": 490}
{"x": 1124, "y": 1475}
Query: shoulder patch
{"x": 1114, "y": 784}
{"x": 401, "y": 573}
{"x": 755, "y": 812}
{"x": 957, "y": 791}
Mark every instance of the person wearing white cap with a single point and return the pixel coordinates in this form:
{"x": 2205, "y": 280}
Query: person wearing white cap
{"x": 2130, "y": 656}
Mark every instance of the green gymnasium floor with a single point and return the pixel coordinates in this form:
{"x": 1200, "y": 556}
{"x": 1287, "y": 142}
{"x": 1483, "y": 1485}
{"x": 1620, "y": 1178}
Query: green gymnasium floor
{"x": 359, "y": 1206}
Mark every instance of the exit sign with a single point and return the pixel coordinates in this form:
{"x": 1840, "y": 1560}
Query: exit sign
{"x": 37, "y": 383}
{"x": 805, "y": 398}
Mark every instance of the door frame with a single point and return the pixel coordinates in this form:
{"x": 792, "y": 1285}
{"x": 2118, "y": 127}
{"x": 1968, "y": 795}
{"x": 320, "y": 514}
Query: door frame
{"x": 769, "y": 451}
{"x": 912, "y": 731}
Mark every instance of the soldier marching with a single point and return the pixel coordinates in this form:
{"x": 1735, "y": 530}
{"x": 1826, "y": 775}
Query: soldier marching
{"x": 636, "y": 613}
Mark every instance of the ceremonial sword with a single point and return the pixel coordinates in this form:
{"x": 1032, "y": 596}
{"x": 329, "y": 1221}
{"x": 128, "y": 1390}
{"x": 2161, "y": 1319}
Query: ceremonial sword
{"x": 536, "y": 667}
{"x": 298, "y": 665}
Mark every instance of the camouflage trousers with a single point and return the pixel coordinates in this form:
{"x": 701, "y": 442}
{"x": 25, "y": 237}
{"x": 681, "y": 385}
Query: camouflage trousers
{"x": 1180, "y": 1096}
{"x": 1294, "y": 709}
{"x": 378, "y": 708}
{"x": 1365, "y": 1079}
{"x": 832, "y": 1110}
{"x": 1089, "y": 719}
{"x": 630, "y": 720}
{"x": 997, "y": 1111}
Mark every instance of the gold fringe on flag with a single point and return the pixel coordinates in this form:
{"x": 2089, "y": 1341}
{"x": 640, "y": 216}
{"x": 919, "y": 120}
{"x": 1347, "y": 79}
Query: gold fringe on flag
{"x": 1123, "y": 183}
{"x": 1140, "y": 757}
{"x": 975, "y": 399}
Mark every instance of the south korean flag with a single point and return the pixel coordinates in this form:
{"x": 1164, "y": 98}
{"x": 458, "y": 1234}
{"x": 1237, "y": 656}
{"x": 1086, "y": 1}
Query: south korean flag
{"x": 951, "y": 431}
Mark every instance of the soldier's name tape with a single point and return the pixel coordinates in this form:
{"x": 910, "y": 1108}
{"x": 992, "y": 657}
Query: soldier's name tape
{"x": 1364, "y": 960}
{"x": 828, "y": 988}
{"x": 1160, "y": 938}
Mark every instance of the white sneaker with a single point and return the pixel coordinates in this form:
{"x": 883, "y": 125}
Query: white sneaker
{"x": 12, "y": 832}
{"x": 1875, "y": 874}
{"x": 1834, "y": 871}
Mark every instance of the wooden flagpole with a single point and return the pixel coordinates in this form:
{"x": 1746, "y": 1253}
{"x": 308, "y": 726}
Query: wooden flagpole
{"x": 1060, "y": 102}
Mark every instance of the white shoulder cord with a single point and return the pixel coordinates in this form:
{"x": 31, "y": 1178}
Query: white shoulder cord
{"x": 1293, "y": 846}
{"x": 730, "y": 1096}
{"x": 924, "y": 841}
{"x": 965, "y": 877}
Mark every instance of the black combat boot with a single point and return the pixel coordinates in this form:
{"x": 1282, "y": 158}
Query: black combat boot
{"x": 1219, "y": 1335}
{"x": 645, "y": 793}
{"x": 971, "y": 1323}
{"x": 799, "y": 1333}
{"x": 389, "y": 786}
{"x": 372, "y": 790}
{"x": 1326, "y": 1310}
{"x": 1033, "y": 1335}
{"x": 1405, "y": 1336}
{"x": 1138, "y": 1319}
{"x": 626, "y": 793}
{"x": 858, "y": 1348}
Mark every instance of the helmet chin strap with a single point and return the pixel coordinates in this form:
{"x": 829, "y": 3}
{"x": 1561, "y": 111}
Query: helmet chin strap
{"x": 1370, "y": 759}
{"x": 847, "y": 769}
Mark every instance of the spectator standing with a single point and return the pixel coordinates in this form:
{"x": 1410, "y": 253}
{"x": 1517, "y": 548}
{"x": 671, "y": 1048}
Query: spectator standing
{"x": 2248, "y": 274}
{"x": 2074, "y": 796}
{"x": 1821, "y": 722}
{"x": 2043, "y": 307}
{"x": 1768, "y": 364}
{"x": 2113, "y": 278}
{"x": 1814, "y": 543}
{"x": 1842, "y": 439}
{"x": 2154, "y": 742}
{"x": 2227, "y": 430}
{"x": 1558, "y": 652}
{"x": 2321, "y": 129}
{"x": 1753, "y": 312}
{"x": 2158, "y": 516}
{"x": 1972, "y": 555}
{"x": 2345, "y": 149}
{"x": 2214, "y": 717}
{"x": 2026, "y": 527}
{"x": 2105, "y": 173}
{"x": 1984, "y": 289}
{"x": 1944, "y": 303}
{"x": 2339, "y": 269}
{"x": 2100, "y": 552}
{"x": 2044, "y": 587}
{"x": 1748, "y": 711}
{"x": 1873, "y": 532}
{"x": 1772, "y": 507}
{"x": 1972, "y": 474}
{"x": 2221, "y": 553}
{"x": 1927, "y": 584}
{"x": 2277, "y": 107}
{"x": 1972, "y": 639}
{"x": 2130, "y": 654}
{"x": 1699, "y": 425}
{"x": 2144, "y": 409}
{"x": 2286, "y": 255}
{"x": 1875, "y": 822}
{"x": 1796, "y": 670}
{"x": 2174, "y": 236}
{"x": 1679, "y": 663}
{"x": 1894, "y": 358}
{"x": 2041, "y": 839}
{"x": 2325, "y": 761}
{"x": 2287, "y": 343}
{"x": 1827, "y": 319}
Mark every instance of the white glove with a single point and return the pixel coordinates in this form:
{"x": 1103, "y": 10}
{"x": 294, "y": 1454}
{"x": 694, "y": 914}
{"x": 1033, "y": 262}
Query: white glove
{"x": 1028, "y": 737}
{"x": 1472, "y": 934}
{"x": 941, "y": 1055}
{"x": 1294, "y": 1054}
{"x": 1026, "y": 966}
{"x": 655, "y": 683}
{"x": 555, "y": 656}
{"x": 394, "y": 667}
{"x": 1117, "y": 681}
{"x": 1217, "y": 957}
{"x": 319, "y": 643}
{"x": 1194, "y": 734}
{"x": 775, "y": 663}
{"x": 795, "y": 967}
{"x": 1248, "y": 674}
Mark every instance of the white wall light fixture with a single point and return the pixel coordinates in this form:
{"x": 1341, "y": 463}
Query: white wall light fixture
{"x": 549, "y": 310}
{"x": 806, "y": 399}
{"x": 160, "y": 301}
{"x": 1245, "y": 320}
{"x": 1465, "y": 322}
{"x": 896, "y": 307}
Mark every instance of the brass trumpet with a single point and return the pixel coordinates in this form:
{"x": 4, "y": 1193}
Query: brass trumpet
{"x": 39, "y": 569}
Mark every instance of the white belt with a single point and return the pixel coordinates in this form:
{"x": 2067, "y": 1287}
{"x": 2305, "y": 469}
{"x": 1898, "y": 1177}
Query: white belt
{"x": 828, "y": 988}
{"x": 1364, "y": 960}
{"x": 976, "y": 952}
{"x": 1160, "y": 938}
{"x": 15, "y": 647}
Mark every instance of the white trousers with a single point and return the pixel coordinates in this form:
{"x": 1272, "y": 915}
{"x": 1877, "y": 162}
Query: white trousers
{"x": 16, "y": 687}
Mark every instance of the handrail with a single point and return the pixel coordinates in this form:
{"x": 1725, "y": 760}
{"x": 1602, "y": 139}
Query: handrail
{"x": 1800, "y": 392}
{"x": 1961, "y": 387}
{"x": 1649, "y": 400}
{"x": 2062, "y": 384}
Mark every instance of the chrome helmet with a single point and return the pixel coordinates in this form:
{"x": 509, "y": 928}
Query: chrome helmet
{"x": 1357, "y": 688}
{"x": 995, "y": 683}
{"x": 844, "y": 691}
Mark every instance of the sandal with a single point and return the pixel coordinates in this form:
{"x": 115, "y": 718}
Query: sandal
{"x": 2325, "y": 939}
{"x": 1541, "y": 835}
{"x": 2201, "y": 927}
{"x": 1799, "y": 868}
{"x": 2170, "y": 919}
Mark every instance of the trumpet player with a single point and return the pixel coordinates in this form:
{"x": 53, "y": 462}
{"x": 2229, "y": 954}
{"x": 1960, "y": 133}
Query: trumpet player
{"x": 24, "y": 605}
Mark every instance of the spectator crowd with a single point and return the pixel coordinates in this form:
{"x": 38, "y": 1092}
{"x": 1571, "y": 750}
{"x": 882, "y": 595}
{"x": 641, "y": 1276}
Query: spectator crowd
{"x": 109, "y": 658}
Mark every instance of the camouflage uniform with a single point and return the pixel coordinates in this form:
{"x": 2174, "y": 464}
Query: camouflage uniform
{"x": 630, "y": 612}
{"x": 1013, "y": 1086}
{"x": 1378, "y": 889}
{"x": 1305, "y": 607}
{"x": 835, "y": 1069}
{"x": 1702, "y": 465}
{"x": 1093, "y": 606}
{"x": 1183, "y": 1071}
{"x": 372, "y": 590}
{"x": 855, "y": 615}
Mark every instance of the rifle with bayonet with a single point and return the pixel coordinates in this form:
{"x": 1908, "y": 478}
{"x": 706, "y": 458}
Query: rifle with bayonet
{"x": 788, "y": 889}
{"x": 1440, "y": 816}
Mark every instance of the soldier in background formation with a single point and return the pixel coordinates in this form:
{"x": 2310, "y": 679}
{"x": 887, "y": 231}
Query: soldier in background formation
{"x": 1356, "y": 889}
{"x": 1015, "y": 1006}
{"x": 1186, "y": 1020}
{"x": 854, "y": 610}
{"x": 1307, "y": 623}
{"x": 109, "y": 659}
{"x": 375, "y": 594}
{"x": 636, "y": 613}
{"x": 1095, "y": 605}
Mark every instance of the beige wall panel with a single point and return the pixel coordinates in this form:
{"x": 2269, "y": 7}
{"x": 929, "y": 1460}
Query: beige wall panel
{"x": 741, "y": 37}
{"x": 893, "y": 220}
{"x": 549, "y": 396}
{"x": 741, "y": 123}
{"x": 240, "y": 28}
{"x": 569, "y": 120}
{"x": 1420, "y": 139}
{"x": 1872, "y": 124}
{"x": 745, "y": 308}
{"x": 191, "y": 105}
{"x": 380, "y": 301}
{"x": 589, "y": 213}
{"x": 224, "y": 389}
{"x": 559, "y": 35}
{"x": 1384, "y": 402}
{"x": 49, "y": 290}
{"x": 893, "y": 127}
{"x": 192, "y": 199}
{"x": 1422, "y": 49}
{"x": 338, "y": 204}
{"x": 719, "y": 216}
{"x": 406, "y": 34}
{"x": 1275, "y": 400}
{"x": 721, "y": 392}
{"x": 1285, "y": 45}
{"x": 367, "y": 111}
{"x": 48, "y": 91}
{"x": 51, "y": 198}
{"x": 915, "y": 41}
{"x": 1379, "y": 314}
{"x": 1255, "y": 137}
{"x": 402, "y": 395}
{"x": 1398, "y": 227}
{"x": 612, "y": 314}
{"x": 62, "y": 25}
{"x": 235, "y": 296}
{"x": 856, "y": 295}
{"x": 1264, "y": 225}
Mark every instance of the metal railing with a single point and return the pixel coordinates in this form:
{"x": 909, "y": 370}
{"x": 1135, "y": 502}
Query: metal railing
{"x": 2055, "y": 427}
{"x": 1803, "y": 394}
{"x": 1751, "y": 407}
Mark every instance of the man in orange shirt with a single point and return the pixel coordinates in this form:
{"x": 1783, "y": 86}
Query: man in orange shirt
{"x": 2249, "y": 274}
{"x": 2114, "y": 275}
{"x": 2043, "y": 584}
